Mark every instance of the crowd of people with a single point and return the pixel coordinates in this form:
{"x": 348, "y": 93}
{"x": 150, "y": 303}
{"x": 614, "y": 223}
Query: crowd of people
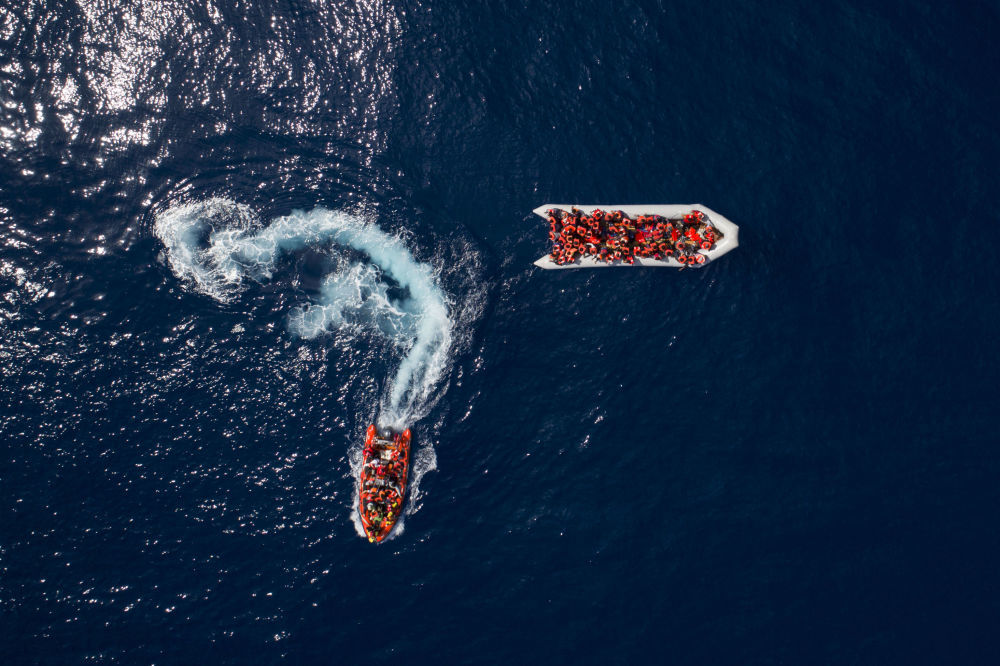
{"x": 615, "y": 236}
{"x": 382, "y": 484}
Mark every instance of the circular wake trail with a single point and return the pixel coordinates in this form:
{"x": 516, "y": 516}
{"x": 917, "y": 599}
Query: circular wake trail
{"x": 215, "y": 244}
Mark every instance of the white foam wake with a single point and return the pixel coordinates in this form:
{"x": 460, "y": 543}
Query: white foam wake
{"x": 217, "y": 243}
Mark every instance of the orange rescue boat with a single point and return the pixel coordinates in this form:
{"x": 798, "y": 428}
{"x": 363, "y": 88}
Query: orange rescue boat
{"x": 385, "y": 465}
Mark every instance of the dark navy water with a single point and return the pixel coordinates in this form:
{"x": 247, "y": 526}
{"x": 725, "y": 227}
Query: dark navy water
{"x": 233, "y": 234}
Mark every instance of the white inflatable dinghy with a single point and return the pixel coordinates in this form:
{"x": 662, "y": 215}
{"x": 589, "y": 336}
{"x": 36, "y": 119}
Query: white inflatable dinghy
{"x": 728, "y": 240}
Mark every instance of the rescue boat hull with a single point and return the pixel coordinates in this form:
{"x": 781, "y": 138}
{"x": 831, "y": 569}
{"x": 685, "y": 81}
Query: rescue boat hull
{"x": 728, "y": 242}
{"x": 385, "y": 467}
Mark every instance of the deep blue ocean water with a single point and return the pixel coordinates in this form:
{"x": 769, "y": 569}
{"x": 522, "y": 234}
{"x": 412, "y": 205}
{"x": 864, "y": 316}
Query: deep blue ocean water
{"x": 233, "y": 234}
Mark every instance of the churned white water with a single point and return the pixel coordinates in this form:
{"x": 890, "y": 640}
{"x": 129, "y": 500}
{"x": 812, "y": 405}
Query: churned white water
{"x": 216, "y": 244}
